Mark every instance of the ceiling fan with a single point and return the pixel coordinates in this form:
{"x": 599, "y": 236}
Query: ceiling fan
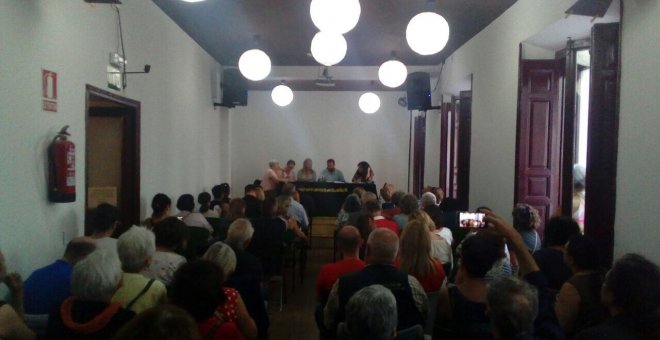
{"x": 324, "y": 78}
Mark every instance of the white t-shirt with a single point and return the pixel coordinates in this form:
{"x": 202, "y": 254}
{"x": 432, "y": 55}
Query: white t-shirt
{"x": 446, "y": 234}
{"x": 195, "y": 220}
{"x": 107, "y": 243}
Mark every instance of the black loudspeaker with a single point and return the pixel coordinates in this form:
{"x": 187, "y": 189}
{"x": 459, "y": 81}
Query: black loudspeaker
{"x": 234, "y": 88}
{"x": 418, "y": 91}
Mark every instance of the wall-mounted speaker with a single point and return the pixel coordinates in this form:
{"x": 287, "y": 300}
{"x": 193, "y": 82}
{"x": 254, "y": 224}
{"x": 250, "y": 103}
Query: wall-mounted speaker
{"x": 418, "y": 91}
{"x": 234, "y": 88}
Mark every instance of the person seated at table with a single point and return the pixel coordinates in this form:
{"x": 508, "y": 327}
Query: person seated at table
{"x": 363, "y": 174}
{"x": 288, "y": 172}
{"x": 307, "y": 174}
{"x": 12, "y": 325}
{"x": 330, "y": 173}
{"x": 186, "y": 206}
{"x": 252, "y": 203}
{"x": 204, "y": 200}
{"x": 160, "y": 205}
{"x": 272, "y": 178}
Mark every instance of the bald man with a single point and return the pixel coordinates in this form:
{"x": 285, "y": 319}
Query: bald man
{"x": 382, "y": 248}
{"x": 348, "y": 242}
{"x": 48, "y": 286}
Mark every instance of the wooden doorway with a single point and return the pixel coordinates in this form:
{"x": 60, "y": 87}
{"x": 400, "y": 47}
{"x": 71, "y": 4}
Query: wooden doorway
{"x": 112, "y": 155}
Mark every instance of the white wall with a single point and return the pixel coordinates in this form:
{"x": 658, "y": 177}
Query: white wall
{"x": 319, "y": 125}
{"x": 181, "y": 147}
{"x": 638, "y": 170}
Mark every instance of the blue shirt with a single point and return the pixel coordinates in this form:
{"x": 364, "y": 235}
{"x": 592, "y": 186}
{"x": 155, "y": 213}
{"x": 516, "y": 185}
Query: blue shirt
{"x": 47, "y": 287}
{"x": 335, "y": 176}
{"x": 298, "y": 212}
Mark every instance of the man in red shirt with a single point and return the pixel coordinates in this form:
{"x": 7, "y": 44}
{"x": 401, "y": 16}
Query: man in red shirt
{"x": 374, "y": 209}
{"x": 348, "y": 242}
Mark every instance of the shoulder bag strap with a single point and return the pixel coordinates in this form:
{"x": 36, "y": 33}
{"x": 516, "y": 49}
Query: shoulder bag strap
{"x": 142, "y": 292}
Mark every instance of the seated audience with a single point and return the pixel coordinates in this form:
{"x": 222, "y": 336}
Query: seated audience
{"x": 526, "y": 220}
{"x": 373, "y": 208}
{"x": 239, "y": 236}
{"x": 266, "y": 241}
{"x": 350, "y": 210}
{"x": 224, "y": 257}
{"x": 461, "y": 310}
{"x": 220, "y": 202}
{"x": 195, "y": 288}
{"x": 348, "y": 243}
{"x": 105, "y": 221}
{"x": 171, "y": 236}
{"x": 578, "y": 303}
{"x": 365, "y": 225}
{"x": 288, "y": 172}
{"x": 386, "y": 196}
{"x": 252, "y": 203}
{"x": 437, "y": 216}
{"x": 204, "y": 200}
{"x": 47, "y": 287}
{"x": 371, "y": 313}
{"x": 296, "y": 210}
{"x": 415, "y": 257}
{"x": 89, "y": 312}
{"x": 394, "y": 208}
{"x": 236, "y": 209}
{"x": 440, "y": 248}
{"x": 630, "y": 293}
{"x": 408, "y": 205}
{"x": 161, "y": 206}
{"x": 363, "y": 174}
{"x": 307, "y": 174}
{"x": 330, "y": 173}
{"x": 12, "y": 325}
{"x": 186, "y": 206}
{"x": 283, "y": 207}
{"x": 136, "y": 249}
{"x": 261, "y": 194}
{"x": 382, "y": 248}
{"x": 551, "y": 257}
{"x": 165, "y": 322}
{"x": 427, "y": 200}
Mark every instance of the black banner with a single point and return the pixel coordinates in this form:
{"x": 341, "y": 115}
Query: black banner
{"x": 329, "y": 197}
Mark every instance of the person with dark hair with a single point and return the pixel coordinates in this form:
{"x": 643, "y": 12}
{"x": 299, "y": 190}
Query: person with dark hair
{"x": 288, "y": 172}
{"x": 349, "y": 212}
{"x": 394, "y": 209}
{"x": 171, "y": 234}
{"x": 408, "y": 205}
{"x": 236, "y": 209}
{"x": 197, "y": 289}
{"x": 631, "y": 293}
{"x": 307, "y": 173}
{"x": 374, "y": 209}
{"x": 204, "y": 200}
{"x": 438, "y": 218}
{"x": 220, "y": 202}
{"x": 105, "y": 221}
{"x": 578, "y": 303}
{"x": 252, "y": 203}
{"x": 47, "y": 287}
{"x": 186, "y": 206}
{"x": 164, "y": 322}
{"x": 161, "y": 206}
{"x": 330, "y": 173}
{"x": 526, "y": 220}
{"x": 365, "y": 224}
{"x": 363, "y": 174}
{"x": 551, "y": 257}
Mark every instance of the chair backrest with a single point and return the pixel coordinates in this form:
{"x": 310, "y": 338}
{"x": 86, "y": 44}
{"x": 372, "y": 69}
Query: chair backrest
{"x": 197, "y": 237}
{"x": 431, "y": 312}
{"x": 411, "y": 333}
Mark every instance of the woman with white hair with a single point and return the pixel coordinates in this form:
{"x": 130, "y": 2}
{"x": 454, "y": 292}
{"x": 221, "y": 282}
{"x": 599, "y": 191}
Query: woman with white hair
{"x": 11, "y": 318}
{"x": 89, "y": 312}
{"x": 136, "y": 249}
{"x": 272, "y": 178}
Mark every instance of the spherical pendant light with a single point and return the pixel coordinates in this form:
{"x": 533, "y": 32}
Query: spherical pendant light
{"x": 392, "y": 73}
{"x": 254, "y": 64}
{"x": 328, "y": 48}
{"x": 336, "y": 16}
{"x": 282, "y": 95}
{"x": 427, "y": 33}
{"x": 369, "y": 103}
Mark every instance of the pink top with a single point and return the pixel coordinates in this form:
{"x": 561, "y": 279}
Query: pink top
{"x": 269, "y": 181}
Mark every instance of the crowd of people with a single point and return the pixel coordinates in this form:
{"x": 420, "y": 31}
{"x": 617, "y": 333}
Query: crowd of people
{"x": 405, "y": 266}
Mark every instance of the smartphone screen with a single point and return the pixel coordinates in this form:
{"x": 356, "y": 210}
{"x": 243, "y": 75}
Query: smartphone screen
{"x": 471, "y": 220}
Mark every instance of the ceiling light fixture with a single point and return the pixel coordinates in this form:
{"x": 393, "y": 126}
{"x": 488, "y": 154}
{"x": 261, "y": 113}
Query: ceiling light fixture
{"x": 392, "y": 73}
{"x": 336, "y": 16}
{"x": 328, "y": 48}
{"x": 282, "y": 95}
{"x": 254, "y": 64}
{"x": 369, "y": 103}
{"x": 427, "y": 33}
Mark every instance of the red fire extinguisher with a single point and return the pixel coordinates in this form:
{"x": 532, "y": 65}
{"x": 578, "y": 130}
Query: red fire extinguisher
{"x": 62, "y": 168}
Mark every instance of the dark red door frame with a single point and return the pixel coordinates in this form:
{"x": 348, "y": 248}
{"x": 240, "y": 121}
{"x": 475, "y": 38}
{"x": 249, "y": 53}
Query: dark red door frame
{"x": 419, "y": 149}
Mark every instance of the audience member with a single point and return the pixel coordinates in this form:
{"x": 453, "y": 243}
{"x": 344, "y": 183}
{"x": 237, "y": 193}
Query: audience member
{"x": 394, "y": 210}
{"x": 272, "y": 179}
{"x": 386, "y": 196}
{"x": 371, "y": 313}
{"x": 307, "y": 174}
{"x": 363, "y": 174}
{"x": 165, "y": 322}
{"x": 237, "y": 209}
{"x": 136, "y": 249}
{"x": 186, "y": 206}
{"x": 225, "y": 258}
{"x": 220, "y": 202}
{"x": 88, "y": 313}
{"x": 296, "y": 210}
{"x": 252, "y": 203}
{"x": 288, "y": 173}
{"x": 171, "y": 234}
{"x": 260, "y": 193}
{"x": 348, "y": 243}
{"x": 526, "y": 220}
{"x": 437, "y": 216}
{"x": 630, "y": 293}
{"x": 11, "y": 315}
{"x": 160, "y": 205}
{"x": 415, "y": 257}
{"x": 330, "y": 173}
{"x": 579, "y": 172}
{"x": 408, "y": 205}
{"x": 359, "y": 191}
{"x": 349, "y": 212}
{"x": 105, "y": 221}
{"x": 368, "y": 196}
{"x": 47, "y": 287}
{"x": 578, "y": 303}
{"x": 428, "y": 200}
{"x": 239, "y": 236}
{"x": 196, "y": 289}
{"x": 283, "y": 207}
{"x": 374, "y": 209}
{"x": 382, "y": 247}
{"x": 365, "y": 225}
{"x": 440, "y": 248}
{"x": 551, "y": 257}
{"x": 204, "y": 200}
{"x": 266, "y": 241}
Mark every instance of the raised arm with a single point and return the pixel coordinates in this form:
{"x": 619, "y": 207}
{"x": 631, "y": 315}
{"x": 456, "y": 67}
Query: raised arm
{"x": 515, "y": 242}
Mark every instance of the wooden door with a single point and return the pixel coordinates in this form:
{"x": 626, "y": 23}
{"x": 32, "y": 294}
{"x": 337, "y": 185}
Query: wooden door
{"x": 419, "y": 150}
{"x": 538, "y": 141}
{"x": 463, "y": 140}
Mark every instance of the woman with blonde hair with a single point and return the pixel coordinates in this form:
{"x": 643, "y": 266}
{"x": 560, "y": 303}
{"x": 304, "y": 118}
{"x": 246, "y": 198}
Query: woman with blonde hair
{"x": 440, "y": 247}
{"x": 415, "y": 256}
